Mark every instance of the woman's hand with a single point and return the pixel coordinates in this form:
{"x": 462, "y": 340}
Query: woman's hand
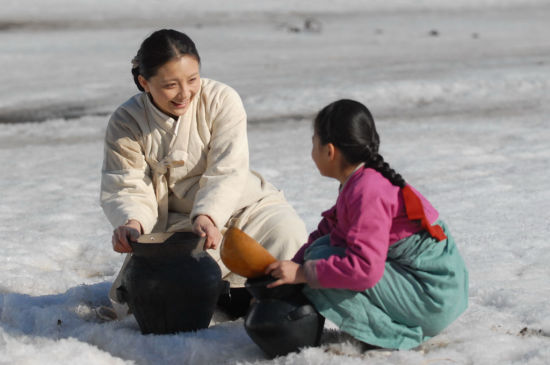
{"x": 124, "y": 234}
{"x": 286, "y": 272}
{"x": 203, "y": 226}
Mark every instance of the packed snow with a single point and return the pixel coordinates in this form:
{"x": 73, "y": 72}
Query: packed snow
{"x": 460, "y": 92}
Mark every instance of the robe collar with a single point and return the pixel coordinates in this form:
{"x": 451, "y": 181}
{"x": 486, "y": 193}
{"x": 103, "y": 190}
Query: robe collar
{"x": 350, "y": 175}
{"x": 163, "y": 120}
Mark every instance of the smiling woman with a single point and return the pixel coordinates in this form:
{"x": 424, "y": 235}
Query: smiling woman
{"x": 176, "y": 159}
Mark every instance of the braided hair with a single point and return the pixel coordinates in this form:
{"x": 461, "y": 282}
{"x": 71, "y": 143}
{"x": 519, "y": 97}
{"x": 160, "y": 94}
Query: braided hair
{"x": 157, "y": 49}
{"x": 349, "y": 125}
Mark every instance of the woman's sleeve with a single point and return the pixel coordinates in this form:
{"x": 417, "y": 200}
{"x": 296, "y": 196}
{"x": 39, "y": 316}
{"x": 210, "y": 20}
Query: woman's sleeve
{"x": 126, "y": 188}
{"x": 370, "y": 216}
{"x": 222, "y": 184}
{"x": 323, "y": 228}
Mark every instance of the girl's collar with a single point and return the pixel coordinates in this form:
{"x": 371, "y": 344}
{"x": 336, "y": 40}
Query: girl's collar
{"x": 350, "y": 175}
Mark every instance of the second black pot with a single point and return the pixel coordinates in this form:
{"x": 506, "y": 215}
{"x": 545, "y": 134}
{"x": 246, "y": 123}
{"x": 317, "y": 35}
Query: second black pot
{"x": 282, "y": 320}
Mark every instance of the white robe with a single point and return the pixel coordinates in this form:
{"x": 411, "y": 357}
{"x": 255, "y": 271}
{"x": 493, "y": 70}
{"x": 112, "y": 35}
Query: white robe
{"x": 164, "y": 172}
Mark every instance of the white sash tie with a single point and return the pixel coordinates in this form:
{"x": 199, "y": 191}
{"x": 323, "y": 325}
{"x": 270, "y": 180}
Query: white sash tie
{"x": 160, "y": 181}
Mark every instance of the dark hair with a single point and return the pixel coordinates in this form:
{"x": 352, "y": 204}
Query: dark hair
{"x": 159, "y": 48}
{"x": 349, "y": 125}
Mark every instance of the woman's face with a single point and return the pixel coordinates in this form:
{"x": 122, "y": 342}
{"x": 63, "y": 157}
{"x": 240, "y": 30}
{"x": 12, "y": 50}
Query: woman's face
{"x": 174, "y": 85}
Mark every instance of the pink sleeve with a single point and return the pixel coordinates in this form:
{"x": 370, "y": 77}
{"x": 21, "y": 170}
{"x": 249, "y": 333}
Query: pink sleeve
{"x": 325, "y": 227}
{"x": 368, "y": 213}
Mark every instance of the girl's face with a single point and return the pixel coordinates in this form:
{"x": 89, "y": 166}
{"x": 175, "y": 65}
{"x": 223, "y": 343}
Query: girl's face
{"x": 174, "y": 85}
{"x": 319, "y": 155}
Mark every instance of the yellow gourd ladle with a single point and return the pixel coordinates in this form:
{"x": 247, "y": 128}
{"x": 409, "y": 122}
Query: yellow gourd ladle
{"x": 243, "y": 255}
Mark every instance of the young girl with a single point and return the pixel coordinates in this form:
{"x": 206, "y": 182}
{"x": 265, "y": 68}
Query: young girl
{"x": 380, "y": 265}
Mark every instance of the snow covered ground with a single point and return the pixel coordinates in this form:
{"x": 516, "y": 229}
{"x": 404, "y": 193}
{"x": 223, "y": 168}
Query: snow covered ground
{"x": 460, "y": 91}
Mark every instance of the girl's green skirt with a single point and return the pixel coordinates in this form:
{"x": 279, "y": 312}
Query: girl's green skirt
{"x": 424, "y": 288}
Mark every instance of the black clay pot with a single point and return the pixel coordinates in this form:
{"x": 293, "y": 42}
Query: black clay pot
{"x": 170, "y": 283}
{"x": 282, "y": 320}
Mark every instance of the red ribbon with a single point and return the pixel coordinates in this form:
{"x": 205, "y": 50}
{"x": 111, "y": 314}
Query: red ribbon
{"x": 415, "y": 211}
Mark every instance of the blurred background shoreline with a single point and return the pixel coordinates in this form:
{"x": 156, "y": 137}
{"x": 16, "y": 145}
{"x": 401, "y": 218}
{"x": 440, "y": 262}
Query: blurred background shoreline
{"x": 69, "y": 59}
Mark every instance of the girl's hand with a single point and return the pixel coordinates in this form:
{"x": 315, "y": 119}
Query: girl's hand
{"x": 286, "y": 272}
{"x": 203, "y": 226}
{"x": 122, "y": 236}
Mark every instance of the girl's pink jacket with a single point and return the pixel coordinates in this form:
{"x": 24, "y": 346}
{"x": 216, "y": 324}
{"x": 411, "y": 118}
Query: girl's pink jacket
{"x": 368, "y": 217}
